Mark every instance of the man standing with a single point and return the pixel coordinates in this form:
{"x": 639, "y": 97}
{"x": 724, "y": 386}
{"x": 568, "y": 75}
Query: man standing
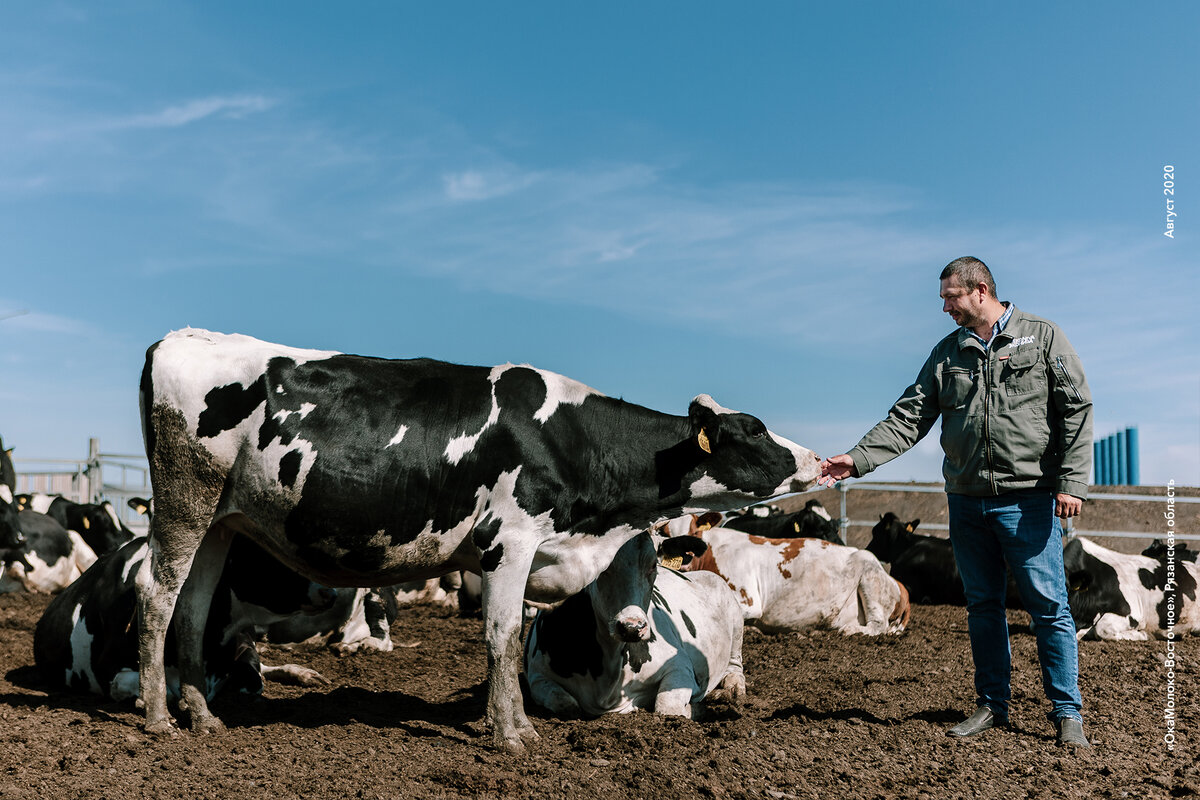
{"x": 1017, "y": 433}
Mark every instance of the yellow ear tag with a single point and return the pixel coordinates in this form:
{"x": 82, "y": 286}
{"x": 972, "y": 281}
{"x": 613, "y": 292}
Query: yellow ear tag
{"x": 796, "y": 525}
{"x": 702, "y": 440}
{"x": 908, "y": 528}
{"x": 675, "y": 563}
{"x": 702, "y": 528}
{"x": 86, "y": 525}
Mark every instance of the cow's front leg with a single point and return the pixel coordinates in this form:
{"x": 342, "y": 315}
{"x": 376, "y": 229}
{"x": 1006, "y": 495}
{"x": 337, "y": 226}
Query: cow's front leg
{"x": 505, "y": 570}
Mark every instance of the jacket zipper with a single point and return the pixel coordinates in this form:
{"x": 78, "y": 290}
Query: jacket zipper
{"x": 1071, "y": 383}
{"x": 987, "y": 426}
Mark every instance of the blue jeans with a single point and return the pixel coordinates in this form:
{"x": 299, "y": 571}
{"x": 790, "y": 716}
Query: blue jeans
{"x": 1018, "y": 528}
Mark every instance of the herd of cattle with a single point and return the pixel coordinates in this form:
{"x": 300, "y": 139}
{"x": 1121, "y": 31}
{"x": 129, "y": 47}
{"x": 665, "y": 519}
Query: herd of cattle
{"x": 641, "y": 539}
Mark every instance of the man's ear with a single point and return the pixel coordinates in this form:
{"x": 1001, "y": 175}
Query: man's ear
{"x": 706, "y": 422}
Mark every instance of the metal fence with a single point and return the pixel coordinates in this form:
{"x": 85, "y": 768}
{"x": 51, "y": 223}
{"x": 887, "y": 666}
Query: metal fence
{"x": 845, "y": 487}
{"x": 116, "y": 477}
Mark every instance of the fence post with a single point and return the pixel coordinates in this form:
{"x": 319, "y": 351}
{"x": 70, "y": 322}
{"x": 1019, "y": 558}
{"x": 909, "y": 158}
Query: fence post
{"x": 843, "y": 521}
{"x": 94, "y": 472}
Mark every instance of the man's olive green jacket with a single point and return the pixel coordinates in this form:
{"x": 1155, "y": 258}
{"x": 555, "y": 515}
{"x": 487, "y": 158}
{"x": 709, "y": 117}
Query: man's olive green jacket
{"x": 1015, "y": 416}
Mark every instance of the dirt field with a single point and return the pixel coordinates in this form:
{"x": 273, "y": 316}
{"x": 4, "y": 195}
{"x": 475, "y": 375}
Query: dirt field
{"x": 827, "y": 716}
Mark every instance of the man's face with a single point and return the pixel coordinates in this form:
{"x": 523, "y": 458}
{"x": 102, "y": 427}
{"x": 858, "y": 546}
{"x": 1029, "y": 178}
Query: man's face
{"x": 965, "y": 306}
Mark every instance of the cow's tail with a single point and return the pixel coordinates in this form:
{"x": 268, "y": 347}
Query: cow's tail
{"x": 146, "y": 403}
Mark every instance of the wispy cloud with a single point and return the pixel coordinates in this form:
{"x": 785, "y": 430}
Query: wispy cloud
{"x": 231, "y": 107}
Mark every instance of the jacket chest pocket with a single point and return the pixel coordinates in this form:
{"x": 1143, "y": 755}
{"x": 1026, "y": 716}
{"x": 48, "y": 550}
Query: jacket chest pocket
{"x": 955, "y": 391}
{"x": 1024, "y": 372}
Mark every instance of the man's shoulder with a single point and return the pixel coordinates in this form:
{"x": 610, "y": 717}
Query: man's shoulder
{"x": 1020, "y": 318}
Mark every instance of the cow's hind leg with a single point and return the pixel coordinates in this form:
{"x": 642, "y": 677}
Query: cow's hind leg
{"x": 159, "y": 581}
{"x": 191, "y": 617}
{"x": 504, "y": 578}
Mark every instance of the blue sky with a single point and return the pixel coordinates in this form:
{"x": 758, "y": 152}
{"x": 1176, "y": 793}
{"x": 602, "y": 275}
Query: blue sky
{"x": 748, "y": 200}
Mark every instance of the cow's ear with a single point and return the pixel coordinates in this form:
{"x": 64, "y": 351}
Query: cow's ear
{"x": 681, "y": 547}
{"x": 912, "y": 526}
{"x": 705, "y": 422}
{"x": 709, "y": 519}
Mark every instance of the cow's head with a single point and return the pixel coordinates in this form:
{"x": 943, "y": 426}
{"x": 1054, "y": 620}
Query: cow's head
{"x": 622, "y": 595}
{"x": 10, "y": 521}
{"x": 890, "y": 536}
{"x": 737, "y": 459}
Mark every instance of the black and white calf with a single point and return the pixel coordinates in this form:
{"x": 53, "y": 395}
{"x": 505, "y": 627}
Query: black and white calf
{"x": 50, "y": 559}
{"x": 640, "y": 636}
{"x": 87, "y": 639}
{"x": 359, "y": 471}
{"x": 1123, "y": 596}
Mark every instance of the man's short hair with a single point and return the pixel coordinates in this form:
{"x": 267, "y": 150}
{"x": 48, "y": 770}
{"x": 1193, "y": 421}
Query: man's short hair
{"x": 970, "y": 272}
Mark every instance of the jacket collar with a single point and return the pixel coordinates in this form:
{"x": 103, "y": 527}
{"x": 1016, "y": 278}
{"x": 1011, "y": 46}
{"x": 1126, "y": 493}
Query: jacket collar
{"x": 967, "y": 339}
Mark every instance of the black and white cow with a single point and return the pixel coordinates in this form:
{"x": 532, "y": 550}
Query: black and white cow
{"x": 97, "y": 523}
{"x": 12, "y": 540}
{"x": 361, "y": 471}
{"x": 87, "y": 639}
{"x": 640, "y": 636}
{"x": 50, "y": 559}
{"x": 360, "y": 619}
{"x": 811, "y": 522}
{"x": 1123, "y": 596}
{"x": 8, "y": 473}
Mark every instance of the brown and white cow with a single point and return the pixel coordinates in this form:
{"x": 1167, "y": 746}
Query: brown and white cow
{"x": 800, "y": 584}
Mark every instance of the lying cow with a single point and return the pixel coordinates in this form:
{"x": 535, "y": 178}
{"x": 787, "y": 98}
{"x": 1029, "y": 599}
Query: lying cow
{"x": 800, "y": 584}
{"x": 1123, "y": 596}
{"x": 97, "y": 523}
{"x": 641, "y": 636}
{"x": 50, "y": 558}
{"x": 12, "y": 540}
{"x": 924, "y": 564}
{"x": 361, "y": 619}
{"x": 812, "y": 521}
{"x": 86, "y": 639}
{"x": 367, "y": 472}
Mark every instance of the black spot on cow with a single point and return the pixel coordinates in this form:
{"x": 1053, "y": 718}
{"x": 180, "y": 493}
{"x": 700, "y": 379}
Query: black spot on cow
{"x": 289, "y": 468}
{"x": 228, "y": 406}
{"x": 691, "y": 626}
{"x": 569, "y": 637}
{"x": 1157, "y": 579}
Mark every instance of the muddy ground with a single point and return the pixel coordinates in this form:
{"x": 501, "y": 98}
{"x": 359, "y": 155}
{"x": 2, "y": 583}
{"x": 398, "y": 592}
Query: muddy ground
{"x": 826, "y": 716}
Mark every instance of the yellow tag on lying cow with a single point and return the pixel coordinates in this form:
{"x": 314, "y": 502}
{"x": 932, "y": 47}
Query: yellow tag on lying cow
{"x": 675, "y": 563}
{"x": 702, "y": 440}
{"x": 908, "y": 527}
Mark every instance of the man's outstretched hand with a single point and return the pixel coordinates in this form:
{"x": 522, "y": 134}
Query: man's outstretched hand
{"x": 836, "y": 468}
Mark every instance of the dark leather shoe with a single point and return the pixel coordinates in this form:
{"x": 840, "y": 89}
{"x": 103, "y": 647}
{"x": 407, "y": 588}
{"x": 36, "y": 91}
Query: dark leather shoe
{"x": 983, "y": 719}
{"x": 1070, "y": 731}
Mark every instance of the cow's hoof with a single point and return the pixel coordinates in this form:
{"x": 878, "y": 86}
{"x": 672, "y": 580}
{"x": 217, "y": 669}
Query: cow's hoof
{"x": 515, "y": 743}
{"x": 207, "y": 725}
{"x": 160, "y": 729}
